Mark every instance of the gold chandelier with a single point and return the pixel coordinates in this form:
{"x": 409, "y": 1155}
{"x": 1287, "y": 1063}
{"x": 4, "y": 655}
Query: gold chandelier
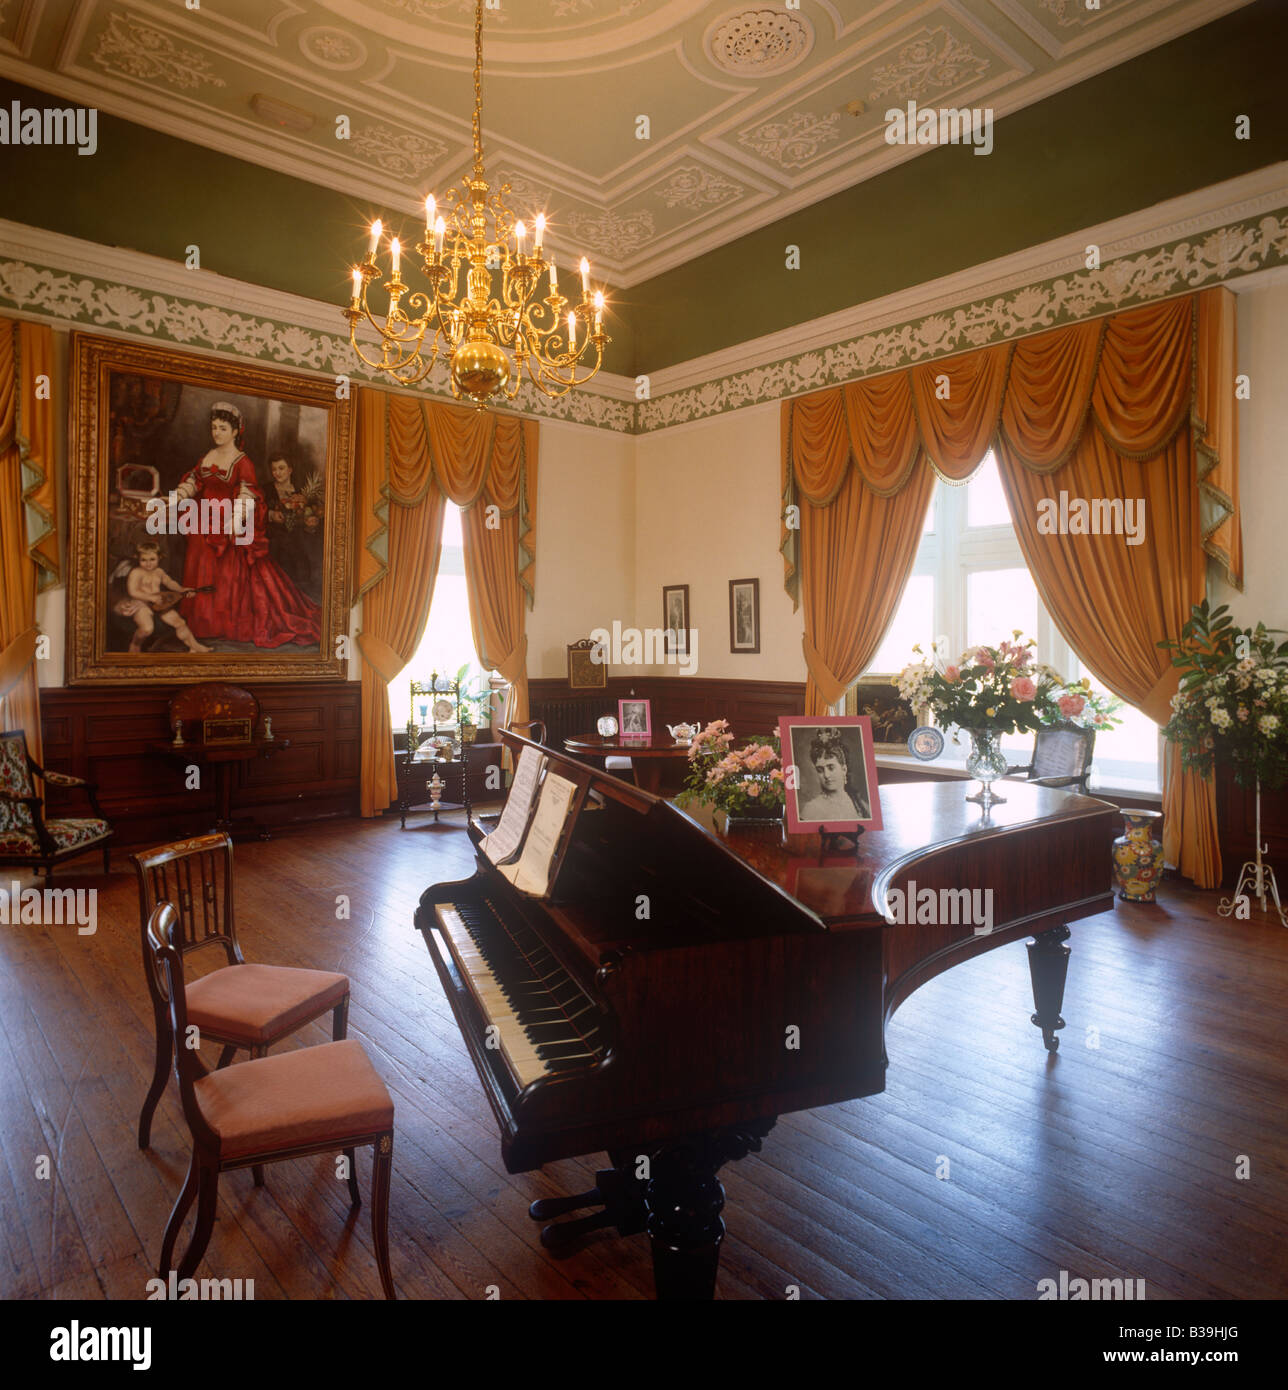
{"x": 489, "y": 342}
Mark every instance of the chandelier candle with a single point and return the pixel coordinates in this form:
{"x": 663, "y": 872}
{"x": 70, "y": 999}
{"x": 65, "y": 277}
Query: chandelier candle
{"x": 491, "y": 332}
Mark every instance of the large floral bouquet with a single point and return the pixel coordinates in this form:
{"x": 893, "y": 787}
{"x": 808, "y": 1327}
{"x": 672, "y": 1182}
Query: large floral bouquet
{"x": 740, "y": 781}
{"x": 1002, "y": 688}
{"x": 1233, "y": 698}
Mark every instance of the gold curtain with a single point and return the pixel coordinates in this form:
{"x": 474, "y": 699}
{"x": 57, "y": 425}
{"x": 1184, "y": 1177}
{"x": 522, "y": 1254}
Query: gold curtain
{"x": 1155, "y": 384}
{"x": 412, "y": 456}
{"x": 28, "y": 515}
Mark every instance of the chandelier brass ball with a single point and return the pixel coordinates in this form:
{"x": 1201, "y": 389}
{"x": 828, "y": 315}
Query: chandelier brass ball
{"x": 480, "y": 370}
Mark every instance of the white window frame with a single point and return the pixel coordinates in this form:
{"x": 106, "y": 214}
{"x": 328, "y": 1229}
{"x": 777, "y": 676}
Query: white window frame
{"x": 953, "y": 551}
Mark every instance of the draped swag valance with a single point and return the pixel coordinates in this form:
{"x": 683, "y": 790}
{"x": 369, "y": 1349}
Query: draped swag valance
{"x": 1138, "y": 405}
{"x": 411, "y": 457}
{"x": 29, "y": 556}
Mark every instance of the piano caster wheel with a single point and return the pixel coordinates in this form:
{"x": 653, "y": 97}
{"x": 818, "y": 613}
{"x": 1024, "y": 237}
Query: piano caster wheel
{"x": 1049, "y": 1039}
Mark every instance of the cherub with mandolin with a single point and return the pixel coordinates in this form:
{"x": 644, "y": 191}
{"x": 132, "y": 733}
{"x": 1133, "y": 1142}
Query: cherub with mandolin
{"x": 152, "y": 594}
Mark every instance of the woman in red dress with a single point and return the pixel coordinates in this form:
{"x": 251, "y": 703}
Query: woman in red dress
{"x": 251, "y": 599}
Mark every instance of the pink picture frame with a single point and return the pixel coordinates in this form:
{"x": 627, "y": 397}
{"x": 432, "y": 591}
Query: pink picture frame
{"x": 634, "y": 720}
{"x": 831, "y": 773}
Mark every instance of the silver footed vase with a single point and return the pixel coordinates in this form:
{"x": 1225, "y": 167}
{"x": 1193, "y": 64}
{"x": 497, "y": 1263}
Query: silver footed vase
{"x": 986, "y": 764}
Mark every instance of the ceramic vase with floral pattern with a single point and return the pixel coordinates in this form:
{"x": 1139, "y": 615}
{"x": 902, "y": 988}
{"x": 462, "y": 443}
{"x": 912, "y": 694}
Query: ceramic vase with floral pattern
{"x": 1138, "y": 858}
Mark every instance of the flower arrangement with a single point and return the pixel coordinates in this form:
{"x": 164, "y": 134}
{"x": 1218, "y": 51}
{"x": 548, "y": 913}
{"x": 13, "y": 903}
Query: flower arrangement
{"x": 1233, "y": 697}
{"x": 1003, "y": 688}
{"x": 739, "y": 781}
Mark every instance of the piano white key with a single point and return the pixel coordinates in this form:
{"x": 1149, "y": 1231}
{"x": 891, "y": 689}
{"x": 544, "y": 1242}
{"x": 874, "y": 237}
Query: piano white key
{"x": 517, "y": 1050}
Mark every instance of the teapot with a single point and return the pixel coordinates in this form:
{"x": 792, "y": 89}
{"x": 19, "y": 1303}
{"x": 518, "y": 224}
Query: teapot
{"x": 683, "y": 733}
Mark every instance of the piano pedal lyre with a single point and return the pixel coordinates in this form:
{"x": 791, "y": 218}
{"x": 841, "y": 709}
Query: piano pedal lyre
{"x": 618, "y": 1193}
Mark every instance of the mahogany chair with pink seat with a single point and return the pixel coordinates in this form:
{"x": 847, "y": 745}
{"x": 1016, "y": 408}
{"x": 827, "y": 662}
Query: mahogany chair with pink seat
{"x": 314, "y": 1100}
{"x": 239, "y": 1005}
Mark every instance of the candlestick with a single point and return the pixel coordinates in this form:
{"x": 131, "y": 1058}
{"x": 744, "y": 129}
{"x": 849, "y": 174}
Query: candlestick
{"x": 554, "y": 278}
{"x": 599, "y": 311}
{"x": 430, "y": 207}
{"x": 541, "y": 231}
{"x": 357, "y": 286}
{"x": 572, "y": 331}
{"x": 520, "y": 232}
{"x": 440, "y": 231}
{"x": 376, "y": 230}
{"x": 395, "y": 252}
{"x": 585, "y": 276}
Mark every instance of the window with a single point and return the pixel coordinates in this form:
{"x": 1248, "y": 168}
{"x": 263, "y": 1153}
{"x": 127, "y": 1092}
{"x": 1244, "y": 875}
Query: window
{"x": 970, "y": 583}
{"x": 447, "y": 643}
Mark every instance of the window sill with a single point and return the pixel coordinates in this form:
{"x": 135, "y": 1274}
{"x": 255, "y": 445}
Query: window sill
{"x": 947, "y": 768}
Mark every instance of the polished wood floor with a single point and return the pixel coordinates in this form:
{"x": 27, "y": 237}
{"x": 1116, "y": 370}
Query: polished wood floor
{"x": 1118, "y": 1158}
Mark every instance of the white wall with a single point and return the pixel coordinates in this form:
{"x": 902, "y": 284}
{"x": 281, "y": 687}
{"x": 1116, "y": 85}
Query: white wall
{"x": 585, "y": 540}
{"x": 707, "y": 510}
{"x": 1263, "y": 460}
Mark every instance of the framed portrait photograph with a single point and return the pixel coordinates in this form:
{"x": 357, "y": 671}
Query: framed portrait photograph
{"x": 893, "y": 718}
{"x": 744, "y": 615}
{"x": 587, "y": 665}
{"x": 209, "y": 519}
{"x": 675, "y": 617}
{"x": 835, "y": 773}
{"x": 634, "y": 719}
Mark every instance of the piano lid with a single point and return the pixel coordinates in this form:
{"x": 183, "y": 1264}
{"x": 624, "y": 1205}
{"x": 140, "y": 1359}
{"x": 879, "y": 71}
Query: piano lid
{"x": 918, "y": 817}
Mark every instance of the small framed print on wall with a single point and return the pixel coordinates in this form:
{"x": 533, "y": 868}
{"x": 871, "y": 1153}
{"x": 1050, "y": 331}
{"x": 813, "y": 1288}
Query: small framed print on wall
{"x": 675, "y": 617}
{"x": 744, "y": 615}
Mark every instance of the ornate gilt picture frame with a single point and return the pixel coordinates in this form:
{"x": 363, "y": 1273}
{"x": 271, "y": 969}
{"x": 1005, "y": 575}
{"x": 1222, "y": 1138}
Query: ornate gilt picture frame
{"x": 209, "y": 519}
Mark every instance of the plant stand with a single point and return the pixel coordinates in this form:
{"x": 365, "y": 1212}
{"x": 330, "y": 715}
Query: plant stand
{"x": 1256, "y": 878}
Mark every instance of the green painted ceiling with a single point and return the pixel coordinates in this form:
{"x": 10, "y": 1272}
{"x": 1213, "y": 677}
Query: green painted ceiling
{"x": 1153, "y": 128}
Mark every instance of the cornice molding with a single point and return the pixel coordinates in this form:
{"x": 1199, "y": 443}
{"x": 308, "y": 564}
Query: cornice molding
{"x": 1216, "y": 234}
{"x": 78, "y": 284}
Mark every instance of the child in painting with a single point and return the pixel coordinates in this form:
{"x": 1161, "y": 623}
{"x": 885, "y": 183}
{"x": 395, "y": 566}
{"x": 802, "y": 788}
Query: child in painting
{"x": 292, "y": 523}
{"x": 143, "y": 588}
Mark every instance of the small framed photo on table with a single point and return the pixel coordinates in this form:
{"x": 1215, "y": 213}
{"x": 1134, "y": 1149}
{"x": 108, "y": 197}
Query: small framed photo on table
{"x": 634, "y": 720}
{"x": 831, "y": 773}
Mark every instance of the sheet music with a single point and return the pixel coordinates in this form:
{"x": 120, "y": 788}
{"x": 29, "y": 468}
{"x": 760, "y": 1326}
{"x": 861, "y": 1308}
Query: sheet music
{"x": 532, "y": 873}
{"x": 503, "y": 843}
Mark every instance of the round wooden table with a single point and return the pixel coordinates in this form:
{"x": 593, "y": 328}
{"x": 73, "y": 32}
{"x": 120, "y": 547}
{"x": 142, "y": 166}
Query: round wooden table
{"x": 647, "y": 754}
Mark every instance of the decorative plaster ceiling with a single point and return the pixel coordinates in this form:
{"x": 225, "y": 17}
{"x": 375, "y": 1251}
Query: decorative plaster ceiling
{"x": 754, "y": 110}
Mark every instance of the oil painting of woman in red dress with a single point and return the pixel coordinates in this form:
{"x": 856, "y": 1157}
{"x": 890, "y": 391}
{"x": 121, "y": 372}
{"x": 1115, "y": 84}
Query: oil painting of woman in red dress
{"x": 243, "y": 596}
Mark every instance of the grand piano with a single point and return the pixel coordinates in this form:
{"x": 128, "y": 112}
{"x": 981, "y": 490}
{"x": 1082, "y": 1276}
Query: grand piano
{"x": 676, "y": 990}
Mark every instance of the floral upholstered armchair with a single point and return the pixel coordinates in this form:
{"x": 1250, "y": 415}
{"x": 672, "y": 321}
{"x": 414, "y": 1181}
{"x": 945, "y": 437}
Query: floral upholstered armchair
{"x": 27, "y": 838}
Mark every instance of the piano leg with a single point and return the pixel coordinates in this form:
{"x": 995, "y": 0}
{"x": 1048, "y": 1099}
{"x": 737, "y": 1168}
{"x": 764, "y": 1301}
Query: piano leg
{"x": 1048, "y": 966}
{"x": 684, "y": 1199}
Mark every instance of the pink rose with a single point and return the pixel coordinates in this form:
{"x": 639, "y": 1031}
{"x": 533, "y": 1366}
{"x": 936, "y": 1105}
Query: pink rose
{"x": 1022, "y": 688}
{"x": 1071, "y": 705}
{"x": 752, "y": 788}
{"x": 952, "y": 674}
{"x": 984, "y": 659}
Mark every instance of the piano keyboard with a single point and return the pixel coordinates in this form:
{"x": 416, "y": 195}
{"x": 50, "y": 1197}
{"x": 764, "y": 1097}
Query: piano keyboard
{"x": 545, "y": 1022}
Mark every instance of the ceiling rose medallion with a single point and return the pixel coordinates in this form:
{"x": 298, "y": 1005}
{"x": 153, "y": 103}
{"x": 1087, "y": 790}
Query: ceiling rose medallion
{"x": 757, "y": 43}
{"x": 483, "y": 311}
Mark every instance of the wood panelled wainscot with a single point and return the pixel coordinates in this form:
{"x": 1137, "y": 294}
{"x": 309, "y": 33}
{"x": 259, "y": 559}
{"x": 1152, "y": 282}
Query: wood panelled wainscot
{"x": 751, "y": 707}
{"x": 107, "y": 735}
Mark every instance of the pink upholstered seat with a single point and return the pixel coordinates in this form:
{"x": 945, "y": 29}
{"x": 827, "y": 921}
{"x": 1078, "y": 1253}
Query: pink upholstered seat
{"x": 316, "y": 1095}
{"x": 261, "y": 1003}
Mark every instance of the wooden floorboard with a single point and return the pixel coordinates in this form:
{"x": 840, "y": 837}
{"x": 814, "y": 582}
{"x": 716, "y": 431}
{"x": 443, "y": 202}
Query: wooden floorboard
{"x": 1116, "y": 1158}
